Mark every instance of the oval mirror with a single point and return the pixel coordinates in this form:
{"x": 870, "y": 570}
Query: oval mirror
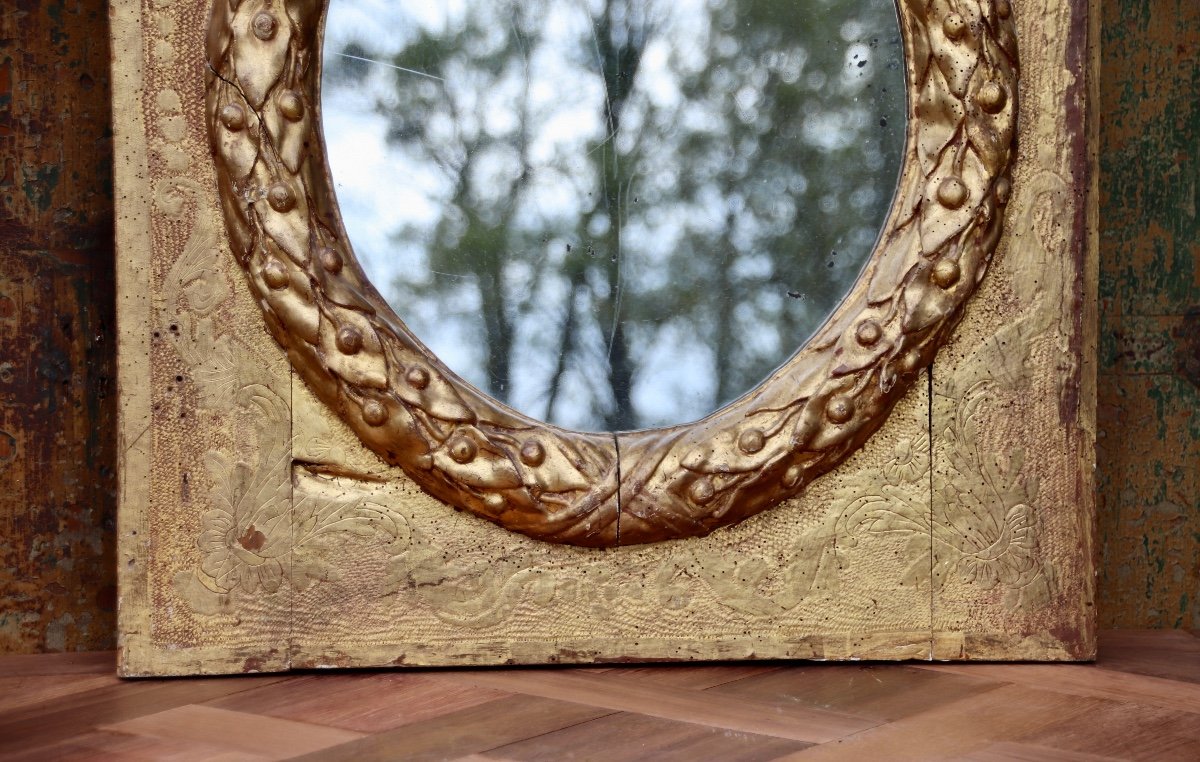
{"x": 715, "y": 209}
{"x": 613, "y": 215}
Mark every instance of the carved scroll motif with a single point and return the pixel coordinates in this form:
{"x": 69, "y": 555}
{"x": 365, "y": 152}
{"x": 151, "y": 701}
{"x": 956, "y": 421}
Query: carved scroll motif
{"x": 561, "y": 486}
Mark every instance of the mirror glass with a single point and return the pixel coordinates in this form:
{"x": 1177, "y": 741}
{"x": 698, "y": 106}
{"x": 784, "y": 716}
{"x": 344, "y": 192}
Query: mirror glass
{"x": 613, "y": 214}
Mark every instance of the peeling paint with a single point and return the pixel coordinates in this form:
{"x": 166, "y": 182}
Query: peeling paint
{"x": 57, "y": 410}
{"x": 1149, "y": 383}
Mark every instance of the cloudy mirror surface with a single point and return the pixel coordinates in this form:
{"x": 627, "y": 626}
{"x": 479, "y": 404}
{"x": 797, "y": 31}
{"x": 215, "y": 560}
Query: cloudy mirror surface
{"x": 613, "y": 214}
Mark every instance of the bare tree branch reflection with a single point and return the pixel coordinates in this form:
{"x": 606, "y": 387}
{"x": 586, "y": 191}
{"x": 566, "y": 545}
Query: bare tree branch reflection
{"x": 626, "y": 213}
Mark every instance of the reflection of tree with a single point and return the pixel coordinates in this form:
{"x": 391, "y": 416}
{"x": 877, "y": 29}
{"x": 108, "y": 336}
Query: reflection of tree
{"x": 717, "y": 205}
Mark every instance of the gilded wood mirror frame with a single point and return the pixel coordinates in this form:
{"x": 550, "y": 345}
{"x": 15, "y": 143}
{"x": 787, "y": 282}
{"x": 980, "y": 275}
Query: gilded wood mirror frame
{"x": 272, "y": 508}
{"x": 603, "y": 490}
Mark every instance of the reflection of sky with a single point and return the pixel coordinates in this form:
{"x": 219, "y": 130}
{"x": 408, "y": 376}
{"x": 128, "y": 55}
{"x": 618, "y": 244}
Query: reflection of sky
{"x": 393, "y": 195}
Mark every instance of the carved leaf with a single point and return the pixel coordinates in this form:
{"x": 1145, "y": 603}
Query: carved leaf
{"x": 217, "y": 377}
{"x": 813, "y": 569}
{"x": 889, "y": 269}
{"x": 990, "y": 135}
{"x": 470, "y": 458}
{"x": 939, "y": 222}
{"x": 241, "y": 239}
{"x": 920, "y": 571}
{"x": 236, "y": 145}
{"x": 305, "y": 15}
{"x": 956, "y": 59}
{"x": 260, "y": 48}
{"x": 894, "y": 510}
{"x": 365, "y": 365}
{"x": 939, "y": 115}
{"x": 736, "y": 583}
{"x": 220, "y": 33}
{"x": 316, "y": 517}
{"x": 343, "y": 292}
{"x": 288, "y": 228}
{"x": 559, "y": 472}
{"x": 287, "y": 114}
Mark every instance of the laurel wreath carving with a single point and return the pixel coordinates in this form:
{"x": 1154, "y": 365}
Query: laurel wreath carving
{"x": 563, "y": 486}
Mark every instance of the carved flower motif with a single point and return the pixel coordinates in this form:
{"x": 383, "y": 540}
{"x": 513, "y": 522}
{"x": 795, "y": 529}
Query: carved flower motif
{"x": 237, "y": 556}
{"x": 245, "y": 534}
{"x": 910, "y": 461}
{"x": 256, "y": 521}
{"x": 196, "y": 281}
{"x": 1010, "y": 558}
{"x": 207, "y": 290}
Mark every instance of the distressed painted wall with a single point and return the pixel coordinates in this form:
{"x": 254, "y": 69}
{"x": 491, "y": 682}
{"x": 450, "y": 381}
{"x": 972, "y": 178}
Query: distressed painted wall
{"x": 1149, "y": 388}
{"x": 56, "y": 355}
{"x": 57, "y": 402}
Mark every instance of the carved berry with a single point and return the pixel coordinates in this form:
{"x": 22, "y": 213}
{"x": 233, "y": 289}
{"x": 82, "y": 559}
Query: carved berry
{"x": 233, "y": 117}
{"x": 868, "y": 333}
{"x": 264, "y": 26}
{"x": 275, "y": 274}
{"x": 463, "y": 450}
{"x": 1003, "y": 190}
{"x": 952, "y": 193}
{"x": 291, "y": 105}
{"x": 349, "y": 340}
{"x": 839, "y": 409}
{"x": 751, "y": 441}
{"x": 991, "y": 97}
{"x": 417, "y": 377}
{"x": 532, "y": 453}
{"x": 791, "y": 477}
{"x": 374, "y": 412}
{"x": 331, "y": 260}
{"x": 281, "y": 198}
{"x": 946, "y": 273}
{"x": 701, "y": 491}
{"x": 494, "y": 501}
{"x": 954, "y": 26}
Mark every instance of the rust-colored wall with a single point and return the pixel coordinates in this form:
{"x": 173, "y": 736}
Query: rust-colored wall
{"x": 57, "y": 403}
{"x": 1149, "y": 385}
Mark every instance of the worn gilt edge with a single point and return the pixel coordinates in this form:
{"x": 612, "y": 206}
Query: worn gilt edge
{"x": 1089, "y": 321}
{"x": 562, "y": 486}
{"x": 132, "y": 222}
{"x": 1063, "y": 627}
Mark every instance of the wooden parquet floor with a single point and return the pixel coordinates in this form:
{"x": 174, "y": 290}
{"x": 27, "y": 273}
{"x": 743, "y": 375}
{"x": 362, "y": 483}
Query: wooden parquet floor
{"x": 1140, "y": 701}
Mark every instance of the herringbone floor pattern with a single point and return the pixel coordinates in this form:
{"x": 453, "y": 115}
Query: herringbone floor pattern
{"x": 1140, "y": 701}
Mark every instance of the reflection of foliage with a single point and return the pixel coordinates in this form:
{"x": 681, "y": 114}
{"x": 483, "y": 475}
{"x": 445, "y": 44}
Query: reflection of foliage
{"x": 729, "y": 180}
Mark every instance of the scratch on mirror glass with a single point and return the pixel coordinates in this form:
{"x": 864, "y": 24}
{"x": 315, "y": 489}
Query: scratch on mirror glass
{"x": 622, "y": 194}
{"x": 614, "y": 214}
{"x": 602, "y": 143}
{"x": 391, "y": 66}
{"x": 520, "y": 38}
